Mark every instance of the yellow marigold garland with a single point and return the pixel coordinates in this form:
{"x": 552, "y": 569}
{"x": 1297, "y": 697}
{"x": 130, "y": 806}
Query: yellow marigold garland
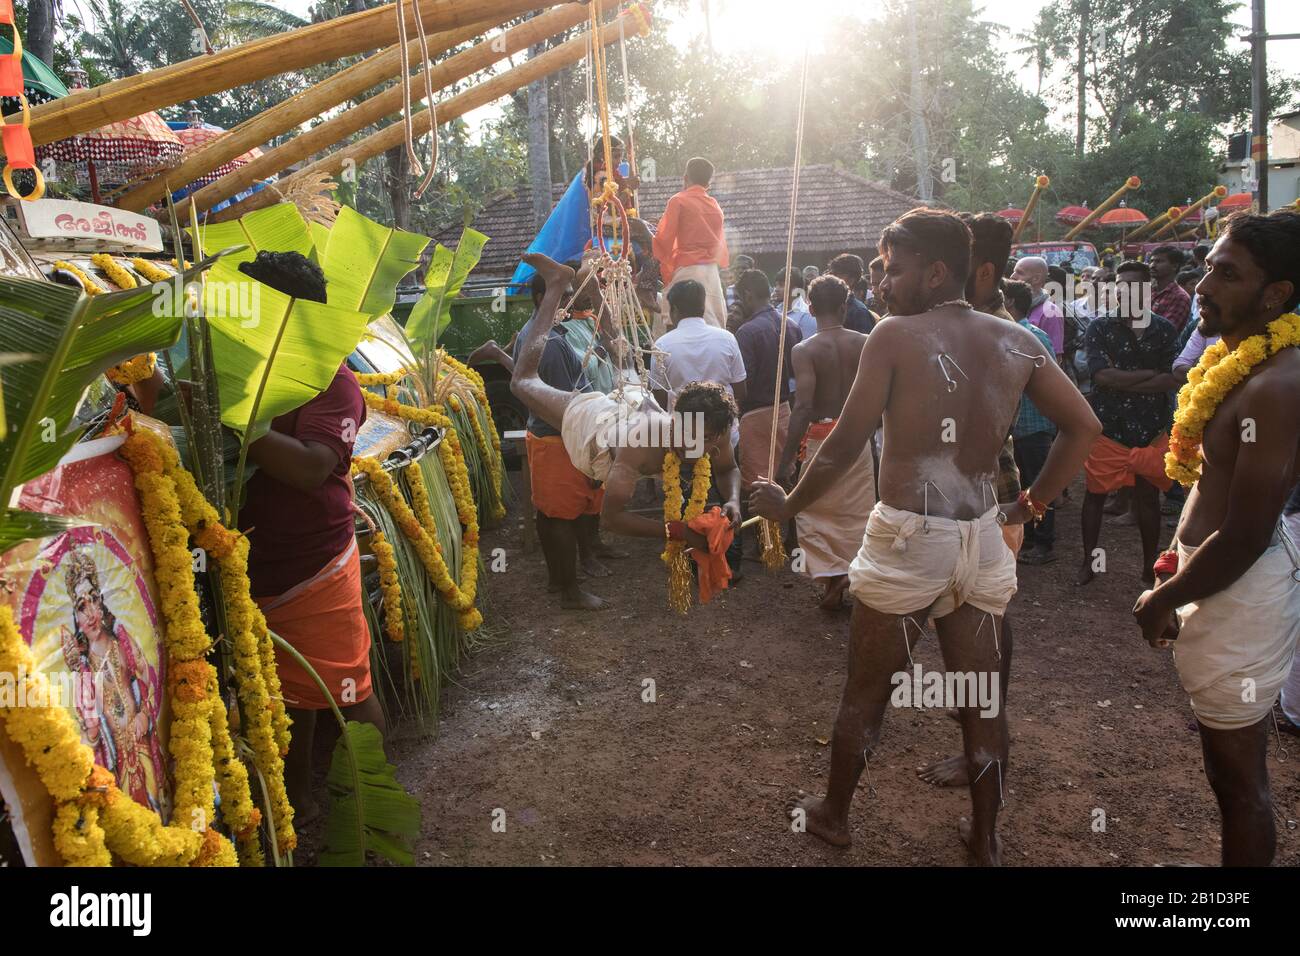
{"x": 267, "y": 724}
{"x": 674, "y": 556}
{"x": 117, "y": 275}
{"x": 133, "y": 370}
{"x": 391, "y": 585}
{"x": 88, "y": 285}
{"x": 151, "y": 271}
{"x": 1208, "y": 384}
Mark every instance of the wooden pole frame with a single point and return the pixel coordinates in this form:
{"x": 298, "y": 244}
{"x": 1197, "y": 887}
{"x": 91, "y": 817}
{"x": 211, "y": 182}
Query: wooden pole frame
{"x": 1132, "y": 182}
{"x": 449, "y": 109}
{"x": 387, "y": 102}
{"x": 246, "y": 63}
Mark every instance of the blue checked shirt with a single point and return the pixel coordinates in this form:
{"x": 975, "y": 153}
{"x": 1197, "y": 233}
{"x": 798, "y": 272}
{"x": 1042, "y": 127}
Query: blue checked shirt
{"x": 1029, "y": 419}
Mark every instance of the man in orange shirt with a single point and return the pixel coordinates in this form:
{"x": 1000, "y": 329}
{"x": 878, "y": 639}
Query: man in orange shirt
{"x": 690, "y": 244}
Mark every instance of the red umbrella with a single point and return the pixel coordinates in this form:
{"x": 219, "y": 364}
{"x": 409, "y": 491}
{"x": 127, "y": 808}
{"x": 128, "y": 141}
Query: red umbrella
{"x": 197, "y": 134}
{"x": 1123, "y": 217}
{"x": 1073, "y": 215}
{"x": 121, "y": 149}
{"x": 1236, "y": 202}
{"x": 1011, "y": 213}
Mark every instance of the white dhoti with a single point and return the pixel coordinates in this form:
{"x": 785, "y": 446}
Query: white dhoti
{"x": 911, "y": 563}
{"x": 831, "y": 528}
{"x": 590, "y": 433}
{"x": 715, "y": 300}
{"x": 1235, "y": 648}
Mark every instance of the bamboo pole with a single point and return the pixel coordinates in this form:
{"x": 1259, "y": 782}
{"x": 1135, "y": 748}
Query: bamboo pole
{"x": 246, "y": 63}
{"x": 452, "y": 108}
{"x": 1040, "y": 183}
{"x": 374, "y": 109}
{"x": 289, "y": 113}
{"x": 1131, "y": 183}
{"x": 1176, "y": 215}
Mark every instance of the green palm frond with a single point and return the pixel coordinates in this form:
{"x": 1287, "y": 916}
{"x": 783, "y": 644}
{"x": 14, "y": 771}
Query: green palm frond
{"x": 389, "y": 819}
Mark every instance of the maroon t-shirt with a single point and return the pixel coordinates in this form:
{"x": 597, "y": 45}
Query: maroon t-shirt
{"x": 293, "y": 534}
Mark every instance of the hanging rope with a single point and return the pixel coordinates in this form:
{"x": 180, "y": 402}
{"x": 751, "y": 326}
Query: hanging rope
{"x": 408, "y": 125}
{"x": 627, "y": 115}
{"x": 770, "y": 533}
{"x": 428, "y": 96}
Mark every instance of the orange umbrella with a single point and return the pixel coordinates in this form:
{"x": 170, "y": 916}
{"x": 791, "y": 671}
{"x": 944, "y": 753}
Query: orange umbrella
{"x": 1073, "y": 215}
{"x": 1236, "y": 202}
{"x": 1011, "y": 213}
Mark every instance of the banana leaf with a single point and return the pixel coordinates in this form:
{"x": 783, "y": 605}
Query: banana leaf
{"x": 68, "y": 340}
{"x": 442, "y": 282}
{"x": 390, "y": 817}
{"x": 264, "y": 341}
{"x": 278, "y": 228}
{"x": 363, "y": 261}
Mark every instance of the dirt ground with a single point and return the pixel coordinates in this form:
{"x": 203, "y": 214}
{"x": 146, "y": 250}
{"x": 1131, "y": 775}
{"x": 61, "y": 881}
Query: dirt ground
{"x": 550, "y": 727}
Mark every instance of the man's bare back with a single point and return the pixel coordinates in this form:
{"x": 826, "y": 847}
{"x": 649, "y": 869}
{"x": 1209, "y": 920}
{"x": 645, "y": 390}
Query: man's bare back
{"x": 835, "y": 355}
{"x": 933, "y": 432}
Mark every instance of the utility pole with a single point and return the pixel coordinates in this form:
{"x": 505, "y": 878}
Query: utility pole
{"x": 1258, "y": 103}
{"x": 920, "y": 134}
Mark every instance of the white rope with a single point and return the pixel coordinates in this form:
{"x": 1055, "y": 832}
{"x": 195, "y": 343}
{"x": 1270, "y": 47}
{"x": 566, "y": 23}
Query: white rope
{"x": 433, "y": 107}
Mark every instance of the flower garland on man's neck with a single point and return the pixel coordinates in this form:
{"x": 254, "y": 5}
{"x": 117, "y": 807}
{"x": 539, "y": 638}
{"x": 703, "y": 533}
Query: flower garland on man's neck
{"x": 679, "y": 569}
{"x": 1208, "y": 384}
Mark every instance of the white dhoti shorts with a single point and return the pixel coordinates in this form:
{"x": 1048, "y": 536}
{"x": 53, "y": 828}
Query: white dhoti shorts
{"x": 1234, "y": 648}
{"x": 589, "y": 432}
{"x": 911, "y": 563}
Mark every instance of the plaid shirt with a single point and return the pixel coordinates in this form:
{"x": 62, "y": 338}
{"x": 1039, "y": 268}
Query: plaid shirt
{"x": 1029, "y": 419}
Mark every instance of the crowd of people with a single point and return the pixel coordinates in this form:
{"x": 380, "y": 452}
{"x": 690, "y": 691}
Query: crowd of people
{"x": 931, "y": 409}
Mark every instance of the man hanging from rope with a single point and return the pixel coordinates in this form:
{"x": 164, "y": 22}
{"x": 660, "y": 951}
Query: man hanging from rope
{"x": 947, "y": 381}
{"x": 618, "y": 439}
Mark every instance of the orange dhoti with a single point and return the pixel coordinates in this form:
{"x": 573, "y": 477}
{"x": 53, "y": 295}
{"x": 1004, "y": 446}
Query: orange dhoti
{"x": 559, "y": 489}
{"x": 325, "y": 621}
{"x": 1111, "y": 466}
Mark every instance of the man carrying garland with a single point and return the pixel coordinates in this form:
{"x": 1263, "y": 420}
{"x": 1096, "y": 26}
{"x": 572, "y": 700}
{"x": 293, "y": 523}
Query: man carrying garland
{"x": 1226, "y": 596}
{"x": 613, "y": 442}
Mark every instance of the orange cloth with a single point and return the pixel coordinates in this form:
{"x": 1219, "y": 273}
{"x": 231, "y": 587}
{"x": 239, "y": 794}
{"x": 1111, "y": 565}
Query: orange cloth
{"x": 756, "y": 439}
{"x": 559, "y": 489}
{"x": 817, "y": 431}
{"x": 690, "y": 233}
{"x": 714, "y": 572}
{"x": 324, "y": 620}
{"x": 1111, "y": 465}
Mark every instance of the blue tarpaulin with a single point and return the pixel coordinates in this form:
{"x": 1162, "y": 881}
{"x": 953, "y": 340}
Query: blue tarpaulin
{"x": 565, "y": 234}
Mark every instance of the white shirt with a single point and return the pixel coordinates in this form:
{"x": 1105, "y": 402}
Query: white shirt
{"x": 695, "y": 351}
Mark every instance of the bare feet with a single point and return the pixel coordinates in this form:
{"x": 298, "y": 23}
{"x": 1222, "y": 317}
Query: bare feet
{"x": 611, "y": 554}
{"x": 549, "y": 269}
{"x": 833, "y": 598}
{"x": 818, "y": 822}
{"x": 1086, "y": 574}
{"x": 593, "y": 568}
{"x": 949, "y": 772}
{"x": 579, "y": 600}
{"x": 984, "y": 855}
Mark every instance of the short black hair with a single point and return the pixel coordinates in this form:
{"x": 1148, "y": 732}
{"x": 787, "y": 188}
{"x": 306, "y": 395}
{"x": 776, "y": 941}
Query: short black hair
{"x": 289, "y": 273}
{"x": 1272, "y": 241}
{"x": 743, "y": 262}
{"x": 1200, "y": 251}
{"x": 1019, "y": 294}
{"x": 827, "y": 294}
{"x": 877, "y": 264}
{"x": 934, "y": 235}
{"x": 1172, "y": 253}
{"x": 699, "y": 171}
{"x": 1134, "y": 265}
{"x": 754, "y": 281}
{"x": 796, "y": 280}
{"x": 1188, "y": 275}
{"x": 687, "y": 298}
{"x": 847, "y": 266}
{"x": 711, "y": 400}
{"x": 1057, "y": 274}
{"x": 991, "y": 240}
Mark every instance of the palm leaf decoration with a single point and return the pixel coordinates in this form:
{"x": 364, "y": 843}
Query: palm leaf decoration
{"x": 389, "y": 820}
{"x": 442, "y": 282}
{"x": 367, "y": 286}
{"x": 278, "y": 228}
{"x": 63, "y": 340}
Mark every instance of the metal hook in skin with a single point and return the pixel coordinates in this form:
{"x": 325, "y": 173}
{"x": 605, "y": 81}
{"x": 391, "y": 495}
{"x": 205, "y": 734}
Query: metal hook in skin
{"x": 1002, "y": 800}
{"x": 1038, "y": 360}
{"x": 952, "y": 384}
{"x": 925, "y": 507}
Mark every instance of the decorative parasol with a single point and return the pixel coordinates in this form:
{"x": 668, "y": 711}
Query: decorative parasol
{"x": 1073, "y": 215}
{"x": 1236, "y": 202}
{"x": 1123, "y": 217}
{"x": 1011, "y": 213}
{"x": 40, "y": 83}
{"x": 116, "y": 152}
{"x": 195, "y": 134}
